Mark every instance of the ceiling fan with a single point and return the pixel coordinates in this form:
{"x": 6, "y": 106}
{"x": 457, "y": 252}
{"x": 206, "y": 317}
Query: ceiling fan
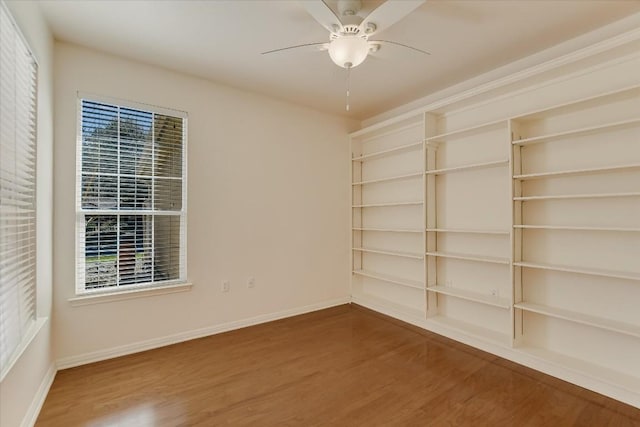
{"x": 349, "y": 34}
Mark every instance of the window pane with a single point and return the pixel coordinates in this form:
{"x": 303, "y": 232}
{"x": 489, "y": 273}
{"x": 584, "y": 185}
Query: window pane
{"x": 135, "y": 142}
{"x": 99, "y": 192}
{"x": 101, "y": 234}
{"x": 168, "y": 146}
{"x": 134, "y": 258}
{"x": 168, "y": 194}
{"x": 167, "y": 247}
{"x": 99, "y": 138}
{"x": 135, "y": 193}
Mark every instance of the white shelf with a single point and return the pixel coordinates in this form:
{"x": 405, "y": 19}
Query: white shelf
{"x": 478, "y": 258}
{"x": 472, "y": 167}
{"x": 472, "y": 330}
{"x": 575, "y": 228}
{"x": 576, "y": 196}
{"x": 471, "y": 296}
{"x": 570, "y": 105}
{"x": 388, "y": 230}
{"x": 585, "y": 171}
{"x": 468, "y": 231}
{"x": 585, "y": 319}
{"x": 580, "y": 131}
{"x": 391, "y": 279}
{"x": 381, "y": 205}
{"x": 388, "y": 179}
{"x": 391, "y": 253}
{"x": 457, "y": 133}
{"x": 579, "y": 270}
{"x": 585, "y": 368}
{"x": 391, "y": 151}
{"x": 384, "y": 306}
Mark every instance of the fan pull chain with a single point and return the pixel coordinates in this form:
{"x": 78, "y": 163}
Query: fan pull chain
{"x": 348, "y": 82}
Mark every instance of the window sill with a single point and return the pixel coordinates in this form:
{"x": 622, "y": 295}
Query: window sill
{"x": 33, "y": 331}
{"x": 89, "y": 299}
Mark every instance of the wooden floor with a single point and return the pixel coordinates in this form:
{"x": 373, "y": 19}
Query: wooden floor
{"x": 344, "y": 366}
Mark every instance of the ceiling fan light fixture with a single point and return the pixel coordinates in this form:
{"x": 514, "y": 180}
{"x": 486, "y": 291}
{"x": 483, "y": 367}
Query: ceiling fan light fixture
{"x": 348, "y": 51}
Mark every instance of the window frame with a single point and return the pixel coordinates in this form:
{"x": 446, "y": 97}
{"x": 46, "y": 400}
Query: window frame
{"x": 119, "y": 291}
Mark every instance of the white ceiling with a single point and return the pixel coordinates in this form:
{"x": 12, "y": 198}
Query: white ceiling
{"x": 222, "y": 41}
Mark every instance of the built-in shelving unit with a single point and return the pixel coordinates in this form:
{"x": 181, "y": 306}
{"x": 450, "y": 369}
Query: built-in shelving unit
{"x": 387, "y": 230}
{"x": 576, "y": 250}
{"x": 467, "y": 257}
{"x": 520, "y": 231}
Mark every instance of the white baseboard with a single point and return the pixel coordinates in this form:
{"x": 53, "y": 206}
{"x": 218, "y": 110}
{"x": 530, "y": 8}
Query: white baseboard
{"x": 38, "y": 400}
{"x": 109, "y": 353}
{"x": 578, "y": 377}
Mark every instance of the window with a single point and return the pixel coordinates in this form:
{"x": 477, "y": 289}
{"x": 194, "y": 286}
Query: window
{"x": 131, "y": 197}
{"x": 18, "y": 70}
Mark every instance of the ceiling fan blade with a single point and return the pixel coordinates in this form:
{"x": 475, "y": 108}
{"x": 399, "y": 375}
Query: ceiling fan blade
{"x": 387, "y": 14}
{"x": 318, "y": 46}
{"x": 322, "y": 13}
{"x": 399, "y": 44}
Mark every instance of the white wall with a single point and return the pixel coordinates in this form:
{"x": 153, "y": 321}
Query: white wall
{"x": 266, "y": 198}
{"x": 27, "y": 381}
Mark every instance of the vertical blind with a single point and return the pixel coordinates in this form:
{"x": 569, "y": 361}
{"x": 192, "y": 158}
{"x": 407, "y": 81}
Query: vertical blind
{"x": 131, "y": 197}
{"x": 17, "y": 189}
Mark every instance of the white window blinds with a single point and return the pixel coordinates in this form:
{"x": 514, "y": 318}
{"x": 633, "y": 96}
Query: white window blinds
{"x": 17, "y": 189}
{"x": 131, "y": 197}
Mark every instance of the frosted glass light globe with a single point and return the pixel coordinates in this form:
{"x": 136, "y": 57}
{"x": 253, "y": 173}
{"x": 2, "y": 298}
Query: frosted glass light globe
{"x": 348, "y": 51}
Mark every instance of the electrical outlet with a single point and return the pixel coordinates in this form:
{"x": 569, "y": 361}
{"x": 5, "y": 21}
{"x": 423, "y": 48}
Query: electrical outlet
{"x": 226, "y": 286}
{"x": 449, "y": 283}
{"x": 251, "y": 282}
{"x": 495, "y": 293}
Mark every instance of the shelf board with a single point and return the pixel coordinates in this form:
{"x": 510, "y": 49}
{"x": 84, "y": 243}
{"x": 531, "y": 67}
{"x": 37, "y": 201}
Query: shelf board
{"x": 388, "y": 230}
{"x": 585, "y": 171}
{"x": 391, "y": 279}
{"x": 583, "y": 367}
{"x": 471, "y": 167}
{"x": 471, "y": 296}
{"x": 580, "y": 270}
{"x": 390, "y": 151}
{"x": 574, "y": 228}
{"x": 585, "y": 319}
{"x": 580, "y": 131}
{"x": 456, "y": 133}
{"x": 576, "y": 196}
{"x": 556, "y": 109}
{"x": 391, "y": 178}
{"x": 391, "y": 253}
{"x": 468, "y": 231}
{"x": 382, "y": 305}
{"x": 380, "y": 205}
{"x": 472, "y": 329}
{"x": 478, "y": 258}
